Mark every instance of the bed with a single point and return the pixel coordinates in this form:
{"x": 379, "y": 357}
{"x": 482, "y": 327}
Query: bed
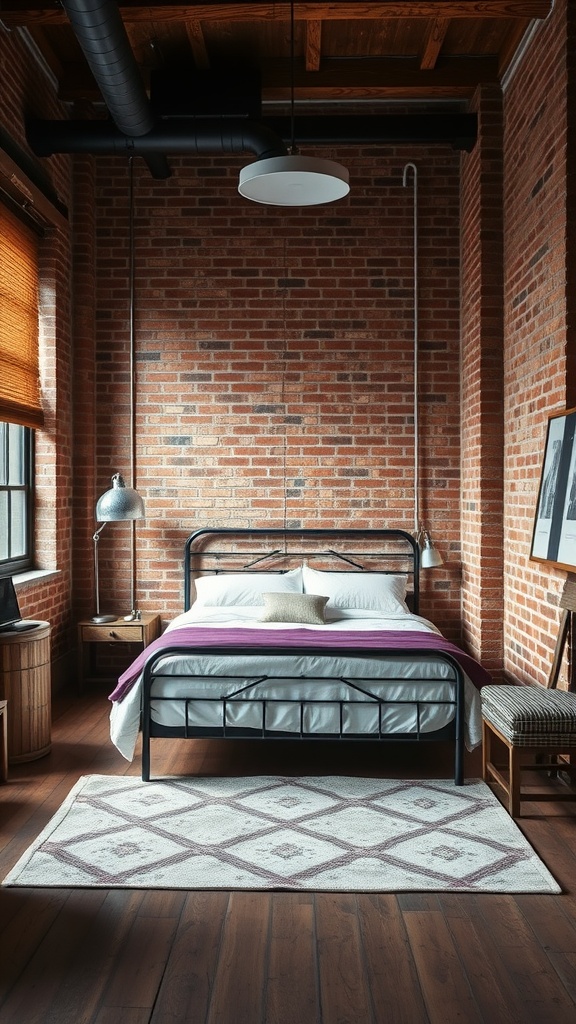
{"x": 310, "y": 634}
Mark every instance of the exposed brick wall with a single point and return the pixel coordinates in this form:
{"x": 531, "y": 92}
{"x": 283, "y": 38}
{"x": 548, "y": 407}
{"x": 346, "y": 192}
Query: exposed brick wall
{"x": 26, "y": 86}
{"x": 482, "y": 384}
{"x": 536, "y": 368}
{"x": 83, "y": 395}
{"x": 571, "y": 209}
{"x": 274, "y": 356}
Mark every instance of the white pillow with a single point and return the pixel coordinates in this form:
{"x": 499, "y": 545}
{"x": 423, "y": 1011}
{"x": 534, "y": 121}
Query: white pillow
{"x": 244, "y": 588}
{"x": 370, "y": 591}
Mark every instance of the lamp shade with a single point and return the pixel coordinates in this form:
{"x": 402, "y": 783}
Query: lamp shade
{"x": 119, "y": 503}
{"x": 430, "y": 557}
{"x": 294, "y": 180}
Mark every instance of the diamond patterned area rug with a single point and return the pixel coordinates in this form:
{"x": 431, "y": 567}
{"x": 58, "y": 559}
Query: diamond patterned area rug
{"x": 322, "y": 834}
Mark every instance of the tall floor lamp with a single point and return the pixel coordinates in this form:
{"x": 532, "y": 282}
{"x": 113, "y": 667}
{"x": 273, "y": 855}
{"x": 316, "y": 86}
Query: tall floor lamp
{"x": 121, "y": 503}
{"x": 118, "y": 504}
{"x": 430, "y": 557}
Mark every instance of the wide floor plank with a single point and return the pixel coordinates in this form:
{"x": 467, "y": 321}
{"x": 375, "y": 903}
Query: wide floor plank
{"x": 292, "y": 985}
{"x": 447, "y": 991}
{"x": 344, "y": 989}
{"x": 390, "y": 967}
{"x": 240, "y": 979}
{"x": 186, "y": 987}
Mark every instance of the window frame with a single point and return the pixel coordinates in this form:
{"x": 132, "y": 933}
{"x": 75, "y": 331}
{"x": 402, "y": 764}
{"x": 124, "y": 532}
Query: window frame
{"x": 25, "y": 561}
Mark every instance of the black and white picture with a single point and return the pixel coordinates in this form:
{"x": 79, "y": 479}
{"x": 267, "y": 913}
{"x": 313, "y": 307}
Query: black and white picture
{"x": 554, "y": 536}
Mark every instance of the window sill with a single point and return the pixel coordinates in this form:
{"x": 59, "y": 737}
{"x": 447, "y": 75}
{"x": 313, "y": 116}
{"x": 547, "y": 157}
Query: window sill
{"x": 35, "y": 576}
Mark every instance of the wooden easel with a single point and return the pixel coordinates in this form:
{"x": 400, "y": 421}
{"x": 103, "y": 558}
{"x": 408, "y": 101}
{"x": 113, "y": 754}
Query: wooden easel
{"x": 566, "y": 635}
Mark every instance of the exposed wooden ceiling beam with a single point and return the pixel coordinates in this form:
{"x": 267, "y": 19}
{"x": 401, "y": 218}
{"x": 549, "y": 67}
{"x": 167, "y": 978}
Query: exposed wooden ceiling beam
{"x": 313, "y": 45}
{"x": 512, "y": 43}
{"x": 36, "y": 12}
{"x": 25, "y": 184}
{"x": 433, "y": 43}
{"x": 198, "y": 45}
{"x": 380, "y": 79}
{"x": 340, "y": 79}
{"x": 38, "y": 35}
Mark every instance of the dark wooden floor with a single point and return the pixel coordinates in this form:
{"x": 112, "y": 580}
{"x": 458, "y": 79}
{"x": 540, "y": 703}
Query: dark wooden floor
{"x": 133, "y": 957}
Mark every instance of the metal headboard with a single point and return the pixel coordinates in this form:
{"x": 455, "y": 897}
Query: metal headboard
{"x": 340, "y": 550}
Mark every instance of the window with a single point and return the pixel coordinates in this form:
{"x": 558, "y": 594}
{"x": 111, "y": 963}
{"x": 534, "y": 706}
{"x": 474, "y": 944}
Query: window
{"x": 20, "y": 397}
{"x": 16, "y": 495}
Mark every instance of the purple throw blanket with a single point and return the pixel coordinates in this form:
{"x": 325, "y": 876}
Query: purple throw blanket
{"x": 202, "y": 638}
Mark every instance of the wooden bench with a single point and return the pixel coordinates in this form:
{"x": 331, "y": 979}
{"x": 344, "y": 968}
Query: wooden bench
{"x": 528, "y": 720}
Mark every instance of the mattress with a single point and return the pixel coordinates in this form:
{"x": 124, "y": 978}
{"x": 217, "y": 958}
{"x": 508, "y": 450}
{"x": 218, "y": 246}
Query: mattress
{"x": 329, "y": 678}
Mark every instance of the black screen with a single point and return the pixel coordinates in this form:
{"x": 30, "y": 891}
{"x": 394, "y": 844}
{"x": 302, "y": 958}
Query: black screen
{"x": 9, "y": 610}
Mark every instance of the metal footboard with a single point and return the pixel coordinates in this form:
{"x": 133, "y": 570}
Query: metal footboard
{"x": 251, "y": 693}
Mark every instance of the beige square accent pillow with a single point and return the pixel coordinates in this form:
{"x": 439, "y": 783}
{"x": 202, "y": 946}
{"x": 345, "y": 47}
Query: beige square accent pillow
{"x": 307, "y": 608}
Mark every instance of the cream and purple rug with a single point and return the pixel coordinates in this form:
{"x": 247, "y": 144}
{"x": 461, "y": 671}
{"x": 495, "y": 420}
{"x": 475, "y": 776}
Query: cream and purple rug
{"x": 322, "y": 834}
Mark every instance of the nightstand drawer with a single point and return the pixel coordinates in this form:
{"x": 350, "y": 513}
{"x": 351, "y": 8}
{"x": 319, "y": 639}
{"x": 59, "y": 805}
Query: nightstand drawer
{"x": 111, "y": 633}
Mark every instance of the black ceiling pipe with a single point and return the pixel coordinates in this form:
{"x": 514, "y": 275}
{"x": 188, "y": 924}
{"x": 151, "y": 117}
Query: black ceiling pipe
{"x": 239, "y": 135}
{"x": 100, "y": 31}
{"x": 457, "y": 129}
{"x": 218, "y": 135}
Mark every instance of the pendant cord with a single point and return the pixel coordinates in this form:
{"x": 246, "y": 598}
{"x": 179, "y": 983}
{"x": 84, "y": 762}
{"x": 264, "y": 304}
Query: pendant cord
{"x": 293, "y": 149}
{"x": 131, "y": 320}
{"x": 283, "y": 392}
{"x": 132, "y": 340}
{"x": 413, "y": 168}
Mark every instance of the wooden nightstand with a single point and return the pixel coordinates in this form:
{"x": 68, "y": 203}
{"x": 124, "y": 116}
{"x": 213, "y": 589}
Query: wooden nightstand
{"x": 25, "y": 682}
{"x": 137, "y": 634}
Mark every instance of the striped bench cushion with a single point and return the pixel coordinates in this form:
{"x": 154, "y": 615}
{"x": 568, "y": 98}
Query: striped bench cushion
{"x": 531, "y": 716}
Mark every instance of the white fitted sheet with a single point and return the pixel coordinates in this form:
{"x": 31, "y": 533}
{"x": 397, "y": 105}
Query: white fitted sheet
{"x": 421, "y": 675}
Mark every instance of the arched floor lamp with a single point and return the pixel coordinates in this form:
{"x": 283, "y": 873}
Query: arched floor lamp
{"x": 430, "y": 557}
{"x": 118, "y": 504}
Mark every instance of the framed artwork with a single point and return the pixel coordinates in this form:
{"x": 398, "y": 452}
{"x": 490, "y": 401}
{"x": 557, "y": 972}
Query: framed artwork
{"x": 554, "y": 535}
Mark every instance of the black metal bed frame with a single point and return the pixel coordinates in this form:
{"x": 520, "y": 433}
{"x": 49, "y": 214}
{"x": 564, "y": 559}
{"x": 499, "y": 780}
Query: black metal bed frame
{"x": 408, "y": 559}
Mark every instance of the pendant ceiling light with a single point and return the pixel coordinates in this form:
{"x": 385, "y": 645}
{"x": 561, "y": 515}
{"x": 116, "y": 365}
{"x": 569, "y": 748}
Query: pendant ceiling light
{"x": 293, "y": 180}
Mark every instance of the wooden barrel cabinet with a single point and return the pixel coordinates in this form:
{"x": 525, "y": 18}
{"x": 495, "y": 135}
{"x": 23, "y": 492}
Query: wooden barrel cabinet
{"x": 25, "y": 683}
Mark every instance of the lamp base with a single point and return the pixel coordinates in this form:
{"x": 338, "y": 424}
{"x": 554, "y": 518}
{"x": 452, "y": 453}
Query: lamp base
{"x": 134, "y": 616}
{"x": 103, "y": 618}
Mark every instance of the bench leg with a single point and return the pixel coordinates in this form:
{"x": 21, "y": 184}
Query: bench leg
{"x": 492, "y": 773}
{"x": 486, "y": 750}
{"x": 515, "y": 776}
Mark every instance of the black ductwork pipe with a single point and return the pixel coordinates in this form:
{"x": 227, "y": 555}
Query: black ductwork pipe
{"x": 239, "y": 135}
{"x": 457, "y": 129}
{"x": 218, "y": 135}
{"x": 100, "y": 32}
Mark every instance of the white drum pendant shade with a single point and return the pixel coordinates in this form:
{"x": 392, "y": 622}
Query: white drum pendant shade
{"x": 294, "y": 181}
